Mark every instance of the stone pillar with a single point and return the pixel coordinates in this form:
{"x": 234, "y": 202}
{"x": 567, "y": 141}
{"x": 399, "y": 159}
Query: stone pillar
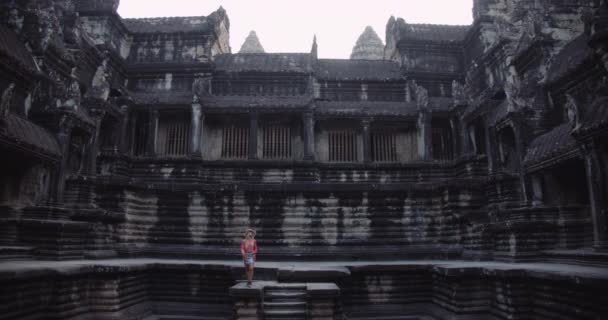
{"x": 63, "y": 138}
{"x": 367, "y": 146}
{"x": 132, "y": 132}
{"x": 152, "y": 133}
{"x": 309, "y": 136}
{"x": 425, "y": 147}
{"x": 465, "y": 142}
{"x": 454, "y": 129}
{"x": 597, "y": 193}
{"x": 253, "y": 136}
{"x": 196, "y": 127}
{"x": 93, "y": 148}
{"x": 125, "y": 134}
{"x": 491, "y": 141}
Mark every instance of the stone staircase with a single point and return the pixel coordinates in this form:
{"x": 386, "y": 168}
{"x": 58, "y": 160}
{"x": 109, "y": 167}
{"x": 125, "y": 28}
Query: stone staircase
{"x": 16, "y": 253}
{"x": 271, "y": 300}
{"x": 285, "y": 301}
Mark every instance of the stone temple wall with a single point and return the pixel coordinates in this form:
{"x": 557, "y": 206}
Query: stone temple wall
{"x": 462, "y": 177}
{"x": 141, "y": 290}
{"x": 303, "y": 223}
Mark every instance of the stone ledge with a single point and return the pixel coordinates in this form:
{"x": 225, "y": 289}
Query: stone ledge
{"x": 28, "y": 269}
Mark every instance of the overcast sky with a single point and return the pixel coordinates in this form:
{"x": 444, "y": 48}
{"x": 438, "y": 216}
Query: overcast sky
{"x": 289, "y": 25}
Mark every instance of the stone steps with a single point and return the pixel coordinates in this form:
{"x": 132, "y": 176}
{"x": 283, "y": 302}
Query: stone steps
{"x": 285, "y": 302}
{"x": 16, "y": 253}
{"x": 173, "y": 317}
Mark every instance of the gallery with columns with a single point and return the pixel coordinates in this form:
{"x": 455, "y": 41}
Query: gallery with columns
{"x": 445, "y": 172}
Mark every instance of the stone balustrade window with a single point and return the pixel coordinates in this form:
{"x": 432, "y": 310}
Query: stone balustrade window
{"x": 276, "y": 142}
{"x": 443, "y": 144}
{"x": 343, "y": 146}
{"x": 384, "y": 146}
{"x": 235, "y": 142}
{"x": 140, "y": 134}
{"x": 174, "y": 134}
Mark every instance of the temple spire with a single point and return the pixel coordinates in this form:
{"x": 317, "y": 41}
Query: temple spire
{"x": 252, "y": 44}
{"x": 314, "y": 50}
{"x": 369, "y": 46}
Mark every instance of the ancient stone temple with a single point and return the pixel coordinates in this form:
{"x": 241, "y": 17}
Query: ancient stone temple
{"x": 453, "y": 172}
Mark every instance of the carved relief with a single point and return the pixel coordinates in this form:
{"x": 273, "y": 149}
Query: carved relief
{"x": 73, "y": 97}
{"x": 6, "y": 101}
{"x": 458, "y": 92}
{"x": 100, "y": 87}
{"x": 573, "y": 112}
{"x": 201, "y": 87}
{"x": 422, "y": 97}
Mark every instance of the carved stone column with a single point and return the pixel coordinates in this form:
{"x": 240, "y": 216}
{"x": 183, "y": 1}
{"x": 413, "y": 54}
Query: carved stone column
{"x": 491, "y": 142}
{"x": 253, "y": 136}
{"x": 125, "y": 135}
{"x": 309, "y": 135}
{"x": 456, "y": 141}
{"x": 152, "y": 133}
{"x": 367, "y": 146}
{"x": 132, "y": 132}
{"x": 465, "y": 141}
{"x": 425, "y": 147}
{"x": 93, "y": 148}
{"x": 597, "y": 193}
{"x": 196, "y": 127}
{"x": 63, "y": 138}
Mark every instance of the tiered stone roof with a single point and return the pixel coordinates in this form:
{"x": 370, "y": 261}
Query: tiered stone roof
{"x": 22, "y": 133}
{"x": 557, "y": 142}
{"x": 13, "y": 48}
{"x": 572, "y": 56}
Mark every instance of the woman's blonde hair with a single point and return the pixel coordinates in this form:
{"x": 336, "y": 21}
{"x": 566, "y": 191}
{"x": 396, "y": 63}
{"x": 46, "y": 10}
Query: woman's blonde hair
{"x": 247, "y": 231}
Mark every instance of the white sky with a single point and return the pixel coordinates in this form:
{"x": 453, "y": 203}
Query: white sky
{"x": 289, "y": 25}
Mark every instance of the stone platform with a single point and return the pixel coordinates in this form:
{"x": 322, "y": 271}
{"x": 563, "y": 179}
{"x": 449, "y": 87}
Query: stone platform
{"x": 213, "y": 289}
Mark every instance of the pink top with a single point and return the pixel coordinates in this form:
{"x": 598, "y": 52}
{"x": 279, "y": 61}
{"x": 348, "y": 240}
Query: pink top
{"x": 251, "y": 247}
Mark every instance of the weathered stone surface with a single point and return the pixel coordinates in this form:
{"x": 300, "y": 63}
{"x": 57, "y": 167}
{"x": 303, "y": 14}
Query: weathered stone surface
{"x": 368, "y": 46}
{"x": 147, "y": 138}
{"x": 252, "y": 44}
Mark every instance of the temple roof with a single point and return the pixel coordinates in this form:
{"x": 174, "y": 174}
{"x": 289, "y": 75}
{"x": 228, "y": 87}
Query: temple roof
{"x": 553, "y": 144}
{"x": 340, "y": 69}
{"x": 434, "y": 32}
{"x": 12, "y": 47}
{"x": 169, "y": 25}
{"x": 252, "y": 44}
{"x": 575, "y": 53}
{"x": 595, "y": 117}
{"x": 264, "y": 62}
{"x": 30, "y": 137}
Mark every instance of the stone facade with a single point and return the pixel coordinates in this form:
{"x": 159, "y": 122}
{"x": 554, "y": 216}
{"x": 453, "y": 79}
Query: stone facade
{"x": 461, "y": 176}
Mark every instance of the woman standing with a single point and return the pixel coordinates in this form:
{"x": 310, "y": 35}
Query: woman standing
{"x": 249, "y": 249}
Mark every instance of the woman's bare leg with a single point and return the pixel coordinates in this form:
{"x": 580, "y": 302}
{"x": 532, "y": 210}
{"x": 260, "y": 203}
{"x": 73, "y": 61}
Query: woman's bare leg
{"x": 249, "y": 273}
